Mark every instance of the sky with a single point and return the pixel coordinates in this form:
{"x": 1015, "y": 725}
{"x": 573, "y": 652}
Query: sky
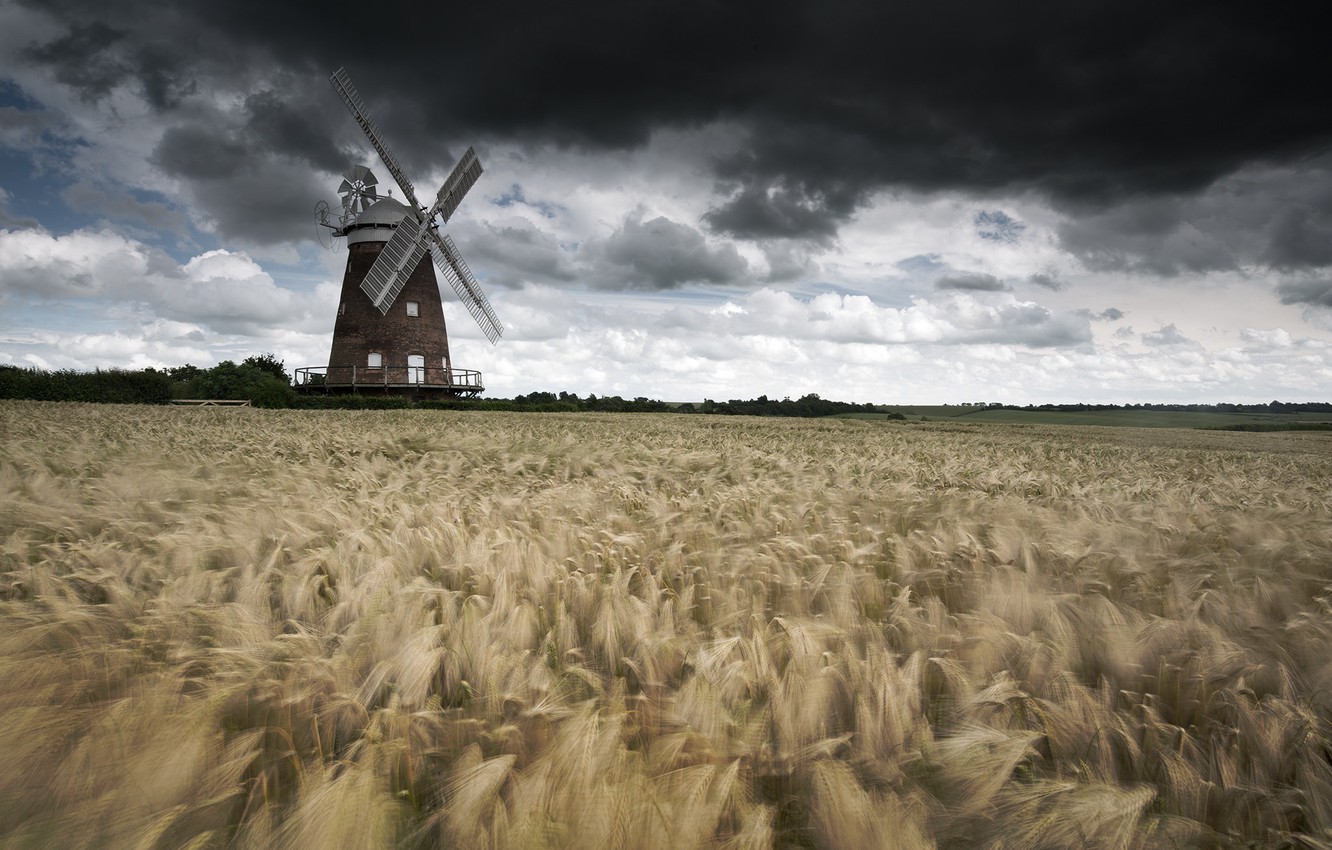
{"x": 1106, "y": 202}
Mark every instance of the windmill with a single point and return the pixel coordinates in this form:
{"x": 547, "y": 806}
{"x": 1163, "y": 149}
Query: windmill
{"x": 390, "y": 331}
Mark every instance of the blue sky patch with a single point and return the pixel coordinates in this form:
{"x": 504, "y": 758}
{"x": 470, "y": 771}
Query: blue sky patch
{"x": 998, "y": 226}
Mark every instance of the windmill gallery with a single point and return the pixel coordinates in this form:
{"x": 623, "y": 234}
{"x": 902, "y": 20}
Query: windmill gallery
{"x": 390, "y": 336}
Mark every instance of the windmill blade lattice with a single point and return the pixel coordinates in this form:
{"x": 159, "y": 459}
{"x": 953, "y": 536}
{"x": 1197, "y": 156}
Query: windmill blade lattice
{"x": 451, "y": 264}
{"x": 464, "y": 176}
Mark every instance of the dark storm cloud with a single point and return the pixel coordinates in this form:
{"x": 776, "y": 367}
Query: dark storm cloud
{"x": 1279, "y": 216}
{"x": 267, "y": 202}
{"x": 1301, "y": 235}
{"x": 1153, "y": 236}
{"x": 1109, "y": 314}
{"x": 971, "y": 283}
{"x": 663, "y": 254}
{"x": 780, "y": 212}
{"x": 809, "y": 197}
{"x": 163, "y": 76}
{"x": 253, "y": 170}
{"x": 787, "y": 260}
{"x": 514, "y": 253}
{"x": 1089, "y": 104}
{"x": 282, "y": 127}
{"x": 1047, "y": 281}
{"x": 82, "y": 59}
{"x": 94, "y": 58}
{"x": 200, "y": 153}
{"x": 247, "y": 192}
{"x": 218, "y": 145}
{"x": 1316, "y": 293}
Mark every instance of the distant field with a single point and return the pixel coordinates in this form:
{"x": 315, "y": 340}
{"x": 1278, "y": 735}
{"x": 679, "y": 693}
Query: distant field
{"x": 1118, "y": 418}
{"x": 239, "y": 628}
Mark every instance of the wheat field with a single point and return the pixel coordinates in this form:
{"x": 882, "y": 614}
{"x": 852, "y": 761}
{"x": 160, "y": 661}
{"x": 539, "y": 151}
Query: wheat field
{"x": 247, "y": 628}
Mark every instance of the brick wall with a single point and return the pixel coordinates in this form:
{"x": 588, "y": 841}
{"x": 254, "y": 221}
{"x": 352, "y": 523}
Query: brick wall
{"x": 361, "y": 329}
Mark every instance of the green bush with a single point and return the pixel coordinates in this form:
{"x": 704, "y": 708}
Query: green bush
{"x": 256, "y": 384}
{"x": 115, "y": 386}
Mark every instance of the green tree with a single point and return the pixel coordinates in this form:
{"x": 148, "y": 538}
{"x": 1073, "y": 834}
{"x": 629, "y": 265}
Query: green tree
{"x": 187, "y": 372}
{"x": 227, "y": 380}
{"x": 269, "y": 363}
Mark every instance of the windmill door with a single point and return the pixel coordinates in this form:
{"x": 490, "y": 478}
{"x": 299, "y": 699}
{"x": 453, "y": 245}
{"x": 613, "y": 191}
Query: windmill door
{"x": 415, "y": 369}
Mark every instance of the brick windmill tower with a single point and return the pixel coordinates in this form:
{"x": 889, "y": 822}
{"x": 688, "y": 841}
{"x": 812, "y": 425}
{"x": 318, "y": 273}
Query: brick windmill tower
{"x": 390, "y": 335}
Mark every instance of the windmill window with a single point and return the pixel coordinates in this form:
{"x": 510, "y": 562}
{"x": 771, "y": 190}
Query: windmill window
{"x": 413, "y": 309}
{"x": 375, "y": 360}
{"x": 342, "y": 309}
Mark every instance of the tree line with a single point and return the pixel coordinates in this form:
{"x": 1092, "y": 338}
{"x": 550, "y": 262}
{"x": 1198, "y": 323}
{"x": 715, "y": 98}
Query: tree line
{"x": 545, "y": 402}
{"x": 263, "y": 381}
{"x": 1220, "y": 407}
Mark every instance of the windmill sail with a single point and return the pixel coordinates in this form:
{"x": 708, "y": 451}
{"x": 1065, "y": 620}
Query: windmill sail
{"x": 464, "y": 176}
{"x": 450, "y": 264}
{"x": 395, "y": 263}
{"x": 356, "y": 106}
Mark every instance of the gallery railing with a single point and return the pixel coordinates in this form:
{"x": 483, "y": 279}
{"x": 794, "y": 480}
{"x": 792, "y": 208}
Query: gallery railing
{"x": 356, "y": 378}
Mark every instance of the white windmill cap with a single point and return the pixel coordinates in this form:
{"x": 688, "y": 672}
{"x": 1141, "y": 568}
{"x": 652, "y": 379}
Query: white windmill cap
{"x": 376, "y": 224}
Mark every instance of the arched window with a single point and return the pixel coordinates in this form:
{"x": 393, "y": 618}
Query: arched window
{"x": 415, "y": 369}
